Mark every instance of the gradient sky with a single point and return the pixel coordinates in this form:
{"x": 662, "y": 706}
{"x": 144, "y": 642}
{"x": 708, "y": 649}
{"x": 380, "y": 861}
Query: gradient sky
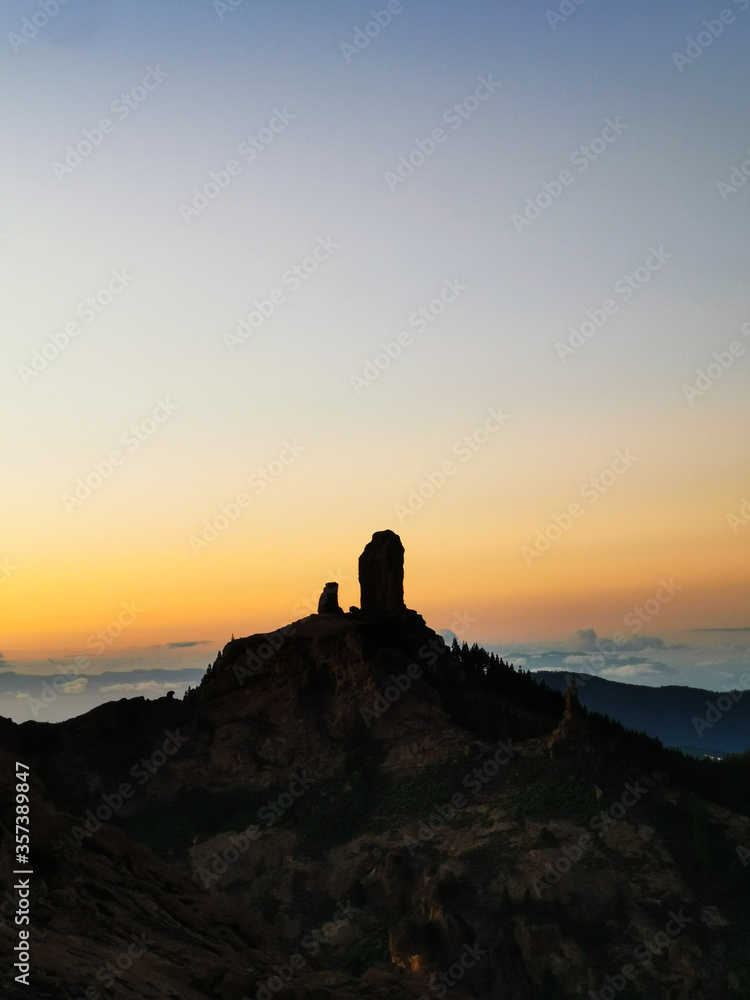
{"x": 221, "y": 75}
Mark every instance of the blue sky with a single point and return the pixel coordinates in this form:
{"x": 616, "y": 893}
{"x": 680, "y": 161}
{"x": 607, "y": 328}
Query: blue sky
{"x": 183, "y": 86}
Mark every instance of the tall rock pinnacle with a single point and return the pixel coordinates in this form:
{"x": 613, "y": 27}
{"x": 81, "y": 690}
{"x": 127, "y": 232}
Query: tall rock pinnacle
{"x": 574, "y": 726}
{"x": 381, "y": 575}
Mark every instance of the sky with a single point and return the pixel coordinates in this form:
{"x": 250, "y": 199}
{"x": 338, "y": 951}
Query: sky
{"x": 278, "y": 275}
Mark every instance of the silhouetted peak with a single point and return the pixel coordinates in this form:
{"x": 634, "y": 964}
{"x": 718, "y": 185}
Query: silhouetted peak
{"x": 381, "y": 575}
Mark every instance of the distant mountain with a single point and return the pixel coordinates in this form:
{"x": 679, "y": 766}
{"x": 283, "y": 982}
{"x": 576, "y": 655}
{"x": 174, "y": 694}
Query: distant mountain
{"x": 71, "y": 692}
{"x": 688, "y": 719}
{"x": 36, "y": 685}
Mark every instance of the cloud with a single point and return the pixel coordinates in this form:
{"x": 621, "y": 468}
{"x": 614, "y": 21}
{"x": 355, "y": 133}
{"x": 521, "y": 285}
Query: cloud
{"x": 688, "y": 663}
{"x": 631, "y": 670}
{"x": 143, "y": 687}
{"x": 584, "y": 639}
{"x": 639, "y": 642}
{"x": 640, "y": 668}
{"x": 185, "y": 645}
{"x": 78, "y": 686}
{"x": 741, "y": 628}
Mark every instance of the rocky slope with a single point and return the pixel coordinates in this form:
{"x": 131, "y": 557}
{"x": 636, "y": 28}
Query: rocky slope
{"x": 313, "y": 821}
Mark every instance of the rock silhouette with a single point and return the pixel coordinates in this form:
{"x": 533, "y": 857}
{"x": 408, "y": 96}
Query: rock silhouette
{"x": 329, "y": 600}
{"x": 573, "y": 731}
{"x": 381, "y": 575}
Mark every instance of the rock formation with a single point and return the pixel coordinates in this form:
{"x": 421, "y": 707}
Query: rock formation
{"x": 444, "y": 843}
{"x": 329, "y": 600}
{"x": 574, "y": 724}
{"x": 381, "y": 575}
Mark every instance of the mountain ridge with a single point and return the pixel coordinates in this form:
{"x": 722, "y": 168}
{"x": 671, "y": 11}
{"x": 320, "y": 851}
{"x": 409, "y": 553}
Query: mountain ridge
{"x": 683, "y": 717}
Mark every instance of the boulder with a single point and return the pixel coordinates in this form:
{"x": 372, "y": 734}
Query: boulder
{"x": 329, "y": 600}
{"x": 381, "y": 575}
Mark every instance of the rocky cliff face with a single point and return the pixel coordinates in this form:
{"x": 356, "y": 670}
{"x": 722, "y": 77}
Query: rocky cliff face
{"x": 109, "y": 917}
{"x": 311, "y": 823}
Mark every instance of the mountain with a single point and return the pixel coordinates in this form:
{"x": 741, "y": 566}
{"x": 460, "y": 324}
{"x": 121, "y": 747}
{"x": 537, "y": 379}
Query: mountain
{"x": 690, "y": 719}
{"x": 347, "y": 807}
